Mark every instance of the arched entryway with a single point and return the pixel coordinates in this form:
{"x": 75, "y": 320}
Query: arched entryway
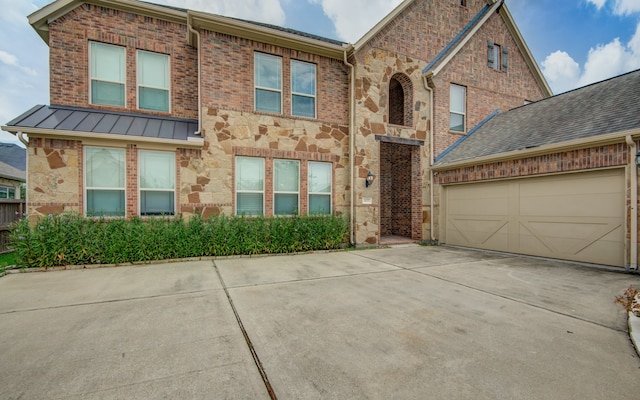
{"x": 400, "y": 192}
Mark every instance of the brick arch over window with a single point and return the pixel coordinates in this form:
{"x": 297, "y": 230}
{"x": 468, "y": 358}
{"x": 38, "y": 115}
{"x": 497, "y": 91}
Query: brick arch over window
{"x": 400, "y": 100}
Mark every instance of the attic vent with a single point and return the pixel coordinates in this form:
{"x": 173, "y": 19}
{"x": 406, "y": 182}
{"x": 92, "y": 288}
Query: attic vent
{"x": 496, "y": 56}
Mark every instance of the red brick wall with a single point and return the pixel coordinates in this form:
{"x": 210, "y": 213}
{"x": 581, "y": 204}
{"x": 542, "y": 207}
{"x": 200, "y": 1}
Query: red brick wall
{"x": 487, "y": 89}
{"x": 566, "y": 161}
{"x": 69, "y": 56}
{"x": 228, "y": 77}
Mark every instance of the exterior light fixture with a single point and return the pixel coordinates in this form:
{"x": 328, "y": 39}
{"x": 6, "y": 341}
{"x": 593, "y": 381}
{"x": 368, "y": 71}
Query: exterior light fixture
{"x": 638, "y": 159}
{"x": 371, "y": 177}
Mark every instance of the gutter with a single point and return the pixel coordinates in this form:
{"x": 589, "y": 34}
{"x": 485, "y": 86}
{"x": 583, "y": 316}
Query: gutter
{"x": 352, "y": 143}
{"x": 190, "y": 143}
{"x": 432, "y": 152}
{"x": 197, "y": 44}
{"x": 633, "y": 171}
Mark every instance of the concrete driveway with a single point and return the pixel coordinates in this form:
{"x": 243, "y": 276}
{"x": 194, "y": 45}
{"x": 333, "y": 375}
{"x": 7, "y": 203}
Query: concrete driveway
{"x": 407, "y": 322}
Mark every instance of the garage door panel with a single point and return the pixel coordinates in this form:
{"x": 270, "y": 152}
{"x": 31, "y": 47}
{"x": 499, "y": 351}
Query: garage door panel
{"x": 571, "y": 205}
{"x": 577, "y": 217}
{"x": 491, "y": 232}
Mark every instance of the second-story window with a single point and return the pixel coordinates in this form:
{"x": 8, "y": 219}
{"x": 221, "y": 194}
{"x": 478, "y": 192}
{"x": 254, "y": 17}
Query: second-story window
{"x": 107, "y": 72}
{"x": 303, "y": 89}
{"x": 153, "y": 81}
{"x": 457, "y": 108}
{"x": 268, "y": 83}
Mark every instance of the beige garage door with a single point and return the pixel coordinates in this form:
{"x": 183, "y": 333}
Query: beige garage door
{"x": 577, "y": 217}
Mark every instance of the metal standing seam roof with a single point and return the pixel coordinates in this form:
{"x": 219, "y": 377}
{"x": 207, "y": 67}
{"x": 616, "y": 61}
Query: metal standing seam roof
{"x": 598, "y": 109}
{"x": 75, "y": 119}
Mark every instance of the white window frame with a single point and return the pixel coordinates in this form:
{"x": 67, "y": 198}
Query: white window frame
{"x": 91, "y": 78}
{"x": 457, "y": 112}
{"x": 497, "y": 57}
{"x": 264, "y": 88}
{"x": 140, "y": 85}
{"x": 310, "y": 193}
{"x": 237, "y": 191}
{"x": 87, "y": 187}
{"x": 276, "y": 191}
{"x": 315, "y": 89}
{"x": 141, "y": 189}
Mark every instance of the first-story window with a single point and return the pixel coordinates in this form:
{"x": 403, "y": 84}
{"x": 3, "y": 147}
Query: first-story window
{"x": 249, "y": 186}
{"x": 320, "y": 180}
{"x": 7, "y": 192}
{"x": 286, "y": 178}
{"x": 105, "y": 182}
{"x": 157, "y": 183}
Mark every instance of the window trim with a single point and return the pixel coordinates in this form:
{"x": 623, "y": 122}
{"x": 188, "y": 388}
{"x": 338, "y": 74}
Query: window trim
{"x": 257, "y": 54}
{"x": 86, "y": 187}
{"x": 141, "y": 189}
{"x": 464, "y": 113}
{"x": 310, "y": 193}
{"x": 315, "y": 89}
{"x": 275, "y": 192}
{"x": 139, "y": 85}
{"x": 237, "y": 191}
{"x": 91, "y": 79}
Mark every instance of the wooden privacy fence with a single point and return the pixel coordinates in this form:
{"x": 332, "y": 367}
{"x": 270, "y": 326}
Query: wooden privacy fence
{"x": 10, "y": 211}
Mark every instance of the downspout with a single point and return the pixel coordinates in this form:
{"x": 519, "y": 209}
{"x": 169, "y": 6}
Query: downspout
{"x": 431, "y": 155}
{"x": 22, "y": 139}
{"x": 352, "y": 143}
{"x": 633, "y": 170}
{"x": 197, "y": 34}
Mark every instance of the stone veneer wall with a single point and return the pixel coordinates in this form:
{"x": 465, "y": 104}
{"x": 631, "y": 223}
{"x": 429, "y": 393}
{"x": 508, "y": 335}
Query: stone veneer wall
{"x": 374, "y": 69}
{"x": 207, "y": 180}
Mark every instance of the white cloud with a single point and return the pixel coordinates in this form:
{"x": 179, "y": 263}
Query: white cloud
{"x": 598, "y": 3}
{"x": 268, "y": 11}
{"x": 626, "y": 7}
{"x": 354, "y": 18}
{"x": 561, "y": 71}
{"x": 603, "y": 62}
{"x": 8, "y": 58}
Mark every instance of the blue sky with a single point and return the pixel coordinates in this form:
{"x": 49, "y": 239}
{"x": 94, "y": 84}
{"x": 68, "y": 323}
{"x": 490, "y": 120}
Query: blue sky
{"x": 575, "y": 42}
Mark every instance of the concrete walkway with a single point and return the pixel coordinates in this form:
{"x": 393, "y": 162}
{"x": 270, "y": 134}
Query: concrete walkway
{"x": 408, "y": 322}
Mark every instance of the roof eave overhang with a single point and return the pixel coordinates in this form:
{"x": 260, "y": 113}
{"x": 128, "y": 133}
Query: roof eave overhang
{"x": 495, "y": 5}
{"x": 190, "y": 143}
{"x": 40, "y": 19}
{"x": 600, "y": 140}
{"x": 246, "y": 30}
{"x": 380, "y": 25}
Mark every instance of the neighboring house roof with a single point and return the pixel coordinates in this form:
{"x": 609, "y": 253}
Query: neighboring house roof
{"x": 13, "y": 155}
{"x": 9, "y": 172}
{"x": 608, "y": 107}
{"x": 75, "y": 121}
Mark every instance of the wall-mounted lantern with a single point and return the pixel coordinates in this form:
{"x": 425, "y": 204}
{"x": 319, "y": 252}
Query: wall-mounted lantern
{"x": 370, "y": 178}
{"x": 638, "y": 159}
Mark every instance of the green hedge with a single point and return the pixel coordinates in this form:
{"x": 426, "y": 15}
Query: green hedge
{"x": 72, "y": 239}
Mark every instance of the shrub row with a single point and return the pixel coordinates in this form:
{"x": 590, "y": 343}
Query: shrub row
{"x": 72, "y": 239}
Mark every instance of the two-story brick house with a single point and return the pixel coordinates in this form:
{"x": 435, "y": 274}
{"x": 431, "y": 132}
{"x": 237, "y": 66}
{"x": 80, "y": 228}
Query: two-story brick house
{"x": 158, "y": 110}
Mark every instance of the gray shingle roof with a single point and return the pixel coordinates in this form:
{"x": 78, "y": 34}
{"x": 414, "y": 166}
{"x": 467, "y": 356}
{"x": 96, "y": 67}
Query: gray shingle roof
{"x": 96, "y": 121}
{"x": 9, "y": 172}
{"x": 601, "y": 108}
{"x": 13, "y": 155}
